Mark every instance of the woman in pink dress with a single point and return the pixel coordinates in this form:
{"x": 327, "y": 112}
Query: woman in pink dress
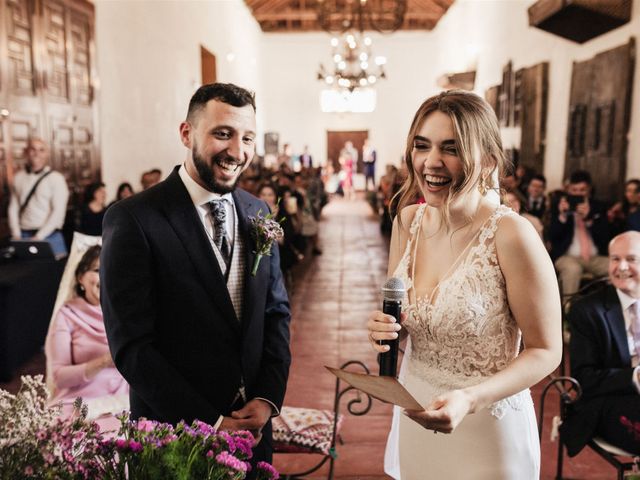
{"x": 76, "y": 347}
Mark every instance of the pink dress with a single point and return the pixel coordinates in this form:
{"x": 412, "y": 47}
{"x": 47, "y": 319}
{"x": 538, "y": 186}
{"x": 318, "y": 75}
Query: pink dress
{"x": 76, "y": 337}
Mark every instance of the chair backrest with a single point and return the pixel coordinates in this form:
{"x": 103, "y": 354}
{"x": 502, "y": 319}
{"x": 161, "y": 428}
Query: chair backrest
{"x": 79, "y": 246}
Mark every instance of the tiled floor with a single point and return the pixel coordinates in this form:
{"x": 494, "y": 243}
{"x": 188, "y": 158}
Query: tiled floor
{"x": 334, "y": 293}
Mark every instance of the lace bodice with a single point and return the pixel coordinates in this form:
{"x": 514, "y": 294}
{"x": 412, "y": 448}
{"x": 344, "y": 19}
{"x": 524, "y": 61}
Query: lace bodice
{"x": 468, "y": 333}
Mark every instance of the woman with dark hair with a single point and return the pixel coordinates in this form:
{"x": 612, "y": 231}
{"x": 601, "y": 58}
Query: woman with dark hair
{"x": 289, "y": 254}
{"x": 479, "y": 281}
{"x": 125, "y": 190}
{"x": 78, "y": 357}
{"x": 93, "y": 208}
{"x": 625, "y": 215}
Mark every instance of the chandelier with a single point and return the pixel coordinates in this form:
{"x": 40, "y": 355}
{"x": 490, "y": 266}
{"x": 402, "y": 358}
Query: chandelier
{"x": 354, "y": 66}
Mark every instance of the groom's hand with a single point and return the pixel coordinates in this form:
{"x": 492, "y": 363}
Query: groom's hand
{"x": 253, "y": 417}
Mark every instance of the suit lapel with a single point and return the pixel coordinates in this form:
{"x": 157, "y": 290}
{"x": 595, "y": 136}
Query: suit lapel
{"x": 251, "y": 284}
{"x": 182, "y": 215}
{"x": 615, "y": 318}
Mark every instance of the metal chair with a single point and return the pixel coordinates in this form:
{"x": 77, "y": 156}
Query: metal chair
{"x": 359, "y": 405}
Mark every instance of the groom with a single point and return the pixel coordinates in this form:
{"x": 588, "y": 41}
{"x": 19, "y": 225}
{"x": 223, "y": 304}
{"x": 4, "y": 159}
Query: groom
{"x": 191, "y": 330}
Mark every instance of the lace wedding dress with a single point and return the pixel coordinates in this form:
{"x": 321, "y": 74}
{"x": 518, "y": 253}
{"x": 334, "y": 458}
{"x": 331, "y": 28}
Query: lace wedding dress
{"x": 462, "y": 334}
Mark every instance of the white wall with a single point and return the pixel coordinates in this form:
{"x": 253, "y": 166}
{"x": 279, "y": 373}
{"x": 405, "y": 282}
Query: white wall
{"x": 496, "y": 29}
{"x": 148, "y": 61}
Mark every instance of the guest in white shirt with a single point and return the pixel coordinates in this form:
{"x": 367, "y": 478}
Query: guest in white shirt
{"x": 39, "y": 200}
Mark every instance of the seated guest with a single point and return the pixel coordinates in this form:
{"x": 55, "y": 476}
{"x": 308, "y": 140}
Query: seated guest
{"x": 515, "y": 200}
{"x": 536, "y": 201}
{"x": 579, "y": 232}
{"x": 625, "y": 215}
{"x": 605, "y": 353}
{"x": 93, "y": 208}
{"x": 78, "y": 357}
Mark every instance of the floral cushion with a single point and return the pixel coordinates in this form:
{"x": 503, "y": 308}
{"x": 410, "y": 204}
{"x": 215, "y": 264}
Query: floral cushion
{"x": 303, "y": 430}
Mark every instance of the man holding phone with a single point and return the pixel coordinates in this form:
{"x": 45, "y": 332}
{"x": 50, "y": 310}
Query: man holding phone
{"x": 579, "y": 233}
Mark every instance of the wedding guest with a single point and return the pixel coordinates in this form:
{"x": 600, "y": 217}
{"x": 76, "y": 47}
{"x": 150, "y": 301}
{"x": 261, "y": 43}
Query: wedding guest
{"x": 125, "y": 190}
{"x": 78, "y": 360}
{"x": 605, "y": 355}
{"x": 93, "y": 208}
{"x": 38, "y": 202}
{"x": 515, "y": 200}
{"x": 479, "y": 282}
{"x": 536, "y": 200}
{"x": 625, "y": 215}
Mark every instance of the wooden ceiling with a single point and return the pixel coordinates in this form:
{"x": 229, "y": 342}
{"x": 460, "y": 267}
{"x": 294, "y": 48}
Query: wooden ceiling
{"x": 301, "y": 15}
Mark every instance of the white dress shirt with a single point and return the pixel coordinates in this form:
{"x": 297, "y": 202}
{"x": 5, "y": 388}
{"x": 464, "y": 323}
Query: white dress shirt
{"x": 200, "y": 198}
{"x": 626, "y": 302}
{"x": 46, "y": 209}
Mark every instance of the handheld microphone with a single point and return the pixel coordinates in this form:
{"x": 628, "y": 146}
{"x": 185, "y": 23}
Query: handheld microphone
{"x": 393, "y": 292}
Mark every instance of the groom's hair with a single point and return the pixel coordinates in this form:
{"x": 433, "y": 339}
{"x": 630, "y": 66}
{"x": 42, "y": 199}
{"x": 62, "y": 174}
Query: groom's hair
{"x": 223, "y": 92}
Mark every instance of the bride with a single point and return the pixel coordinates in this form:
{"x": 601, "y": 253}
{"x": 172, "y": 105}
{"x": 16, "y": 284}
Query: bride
{"x": 479, "y": 281}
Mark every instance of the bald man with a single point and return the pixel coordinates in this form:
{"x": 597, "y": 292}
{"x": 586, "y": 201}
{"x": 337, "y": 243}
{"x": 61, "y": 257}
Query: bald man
{"x": 605, "y": 355}
{"x": 39, "y": 199}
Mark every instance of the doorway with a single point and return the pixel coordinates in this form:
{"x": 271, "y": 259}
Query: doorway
{"x": 336, "y": 141}
{"x": 208, "y": 66}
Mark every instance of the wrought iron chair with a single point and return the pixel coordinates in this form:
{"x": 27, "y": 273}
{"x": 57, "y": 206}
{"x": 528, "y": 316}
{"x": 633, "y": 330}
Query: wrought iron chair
{"x": 359, "y": 405}
{"x": 570, "y": 392}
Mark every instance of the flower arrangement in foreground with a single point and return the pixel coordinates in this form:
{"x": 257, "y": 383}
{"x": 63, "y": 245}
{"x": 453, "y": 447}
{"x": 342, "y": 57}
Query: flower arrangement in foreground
{"x": 36, "y": 443}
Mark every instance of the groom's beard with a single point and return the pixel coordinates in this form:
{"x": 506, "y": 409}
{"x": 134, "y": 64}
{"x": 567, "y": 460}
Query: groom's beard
{"x": 205, "y": 170}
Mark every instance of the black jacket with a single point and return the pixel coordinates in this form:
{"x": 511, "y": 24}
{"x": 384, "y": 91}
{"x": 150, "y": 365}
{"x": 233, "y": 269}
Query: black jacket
{"x": 600, "y": 361}
{"x": 171, "y": 326}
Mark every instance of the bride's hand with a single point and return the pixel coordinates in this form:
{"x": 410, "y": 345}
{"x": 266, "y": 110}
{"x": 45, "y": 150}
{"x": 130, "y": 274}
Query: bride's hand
{"x": 382, "y": 327}
{"x": 445, "y": 412}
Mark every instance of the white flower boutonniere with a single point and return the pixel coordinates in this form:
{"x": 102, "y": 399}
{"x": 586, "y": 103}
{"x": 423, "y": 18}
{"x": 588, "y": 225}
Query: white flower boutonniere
{"x": 264, "y": 231}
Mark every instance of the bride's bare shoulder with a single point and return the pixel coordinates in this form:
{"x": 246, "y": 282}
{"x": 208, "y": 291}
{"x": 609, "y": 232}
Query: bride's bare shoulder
{"x": 406, "y": 216}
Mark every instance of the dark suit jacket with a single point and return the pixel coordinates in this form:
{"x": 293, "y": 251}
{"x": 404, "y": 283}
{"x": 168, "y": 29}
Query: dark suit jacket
{"x": 600, "y": 361}
{"x": 561, "y": 234}
{"x": 171, "y": 326}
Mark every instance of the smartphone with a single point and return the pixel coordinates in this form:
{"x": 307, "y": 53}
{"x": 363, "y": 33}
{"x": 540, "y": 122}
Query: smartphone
{"x": 574, "y": 201}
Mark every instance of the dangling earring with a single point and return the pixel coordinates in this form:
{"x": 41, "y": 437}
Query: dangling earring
{"x": 81, "y": 287}
{"x": 482, "y": 186}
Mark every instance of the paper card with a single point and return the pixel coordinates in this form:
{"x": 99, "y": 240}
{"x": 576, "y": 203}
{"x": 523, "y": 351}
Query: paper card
{"x": 386, "y": 389}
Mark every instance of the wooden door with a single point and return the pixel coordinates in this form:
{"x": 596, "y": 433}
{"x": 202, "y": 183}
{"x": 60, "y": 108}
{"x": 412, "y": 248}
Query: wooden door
{"x": 530, "y": 113}
{"x": 336, "y": 141}
{"x": 599, "y": 119}
{"x": 46, "y": 90}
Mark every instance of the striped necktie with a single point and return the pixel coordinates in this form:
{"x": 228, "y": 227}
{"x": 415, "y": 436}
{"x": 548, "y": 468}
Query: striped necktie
{"x": 219, "y": 217}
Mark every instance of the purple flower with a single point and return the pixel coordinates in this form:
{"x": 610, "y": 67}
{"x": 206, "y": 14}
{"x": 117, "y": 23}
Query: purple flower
{"x": 228, "y": 460}
{"x": 122, "y": 444}
{"x": 135, "y": 446}
{"x": 268, "y": 469}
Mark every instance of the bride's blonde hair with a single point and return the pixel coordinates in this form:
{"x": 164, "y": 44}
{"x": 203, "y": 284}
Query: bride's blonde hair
{"x": 476, "y": 132}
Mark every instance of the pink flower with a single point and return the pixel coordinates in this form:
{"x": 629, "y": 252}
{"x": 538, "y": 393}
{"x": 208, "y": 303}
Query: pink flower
{"x": 210, "y": 454}
{"x": 121, "y": 443}
{"x": 135, "y": 446}
{"x": 146, "y": 425}
{"x": 28, "y": 470}
{"x": 228, "y": 460}
{"x": 268, "y": 469}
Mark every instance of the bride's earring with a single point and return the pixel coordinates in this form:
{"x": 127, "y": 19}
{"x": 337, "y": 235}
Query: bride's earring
{"x": 482, "y": 186}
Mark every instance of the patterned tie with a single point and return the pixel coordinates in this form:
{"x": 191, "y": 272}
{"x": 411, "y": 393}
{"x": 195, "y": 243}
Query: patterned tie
{"x": 634, "y": 314}
{"x": 219, "y": 216}
{"x": 583, "y": 238}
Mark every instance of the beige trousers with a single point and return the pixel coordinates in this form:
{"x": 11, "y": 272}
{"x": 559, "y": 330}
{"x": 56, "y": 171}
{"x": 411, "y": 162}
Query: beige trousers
{"x": 570, "y": 270}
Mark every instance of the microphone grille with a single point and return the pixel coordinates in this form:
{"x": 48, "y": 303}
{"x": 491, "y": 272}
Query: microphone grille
{"x": 393, "y": 289}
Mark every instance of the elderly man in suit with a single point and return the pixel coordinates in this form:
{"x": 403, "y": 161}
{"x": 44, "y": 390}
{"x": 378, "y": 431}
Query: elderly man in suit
{"x": 605, "y": 354}
{"x": 191, "y": 329}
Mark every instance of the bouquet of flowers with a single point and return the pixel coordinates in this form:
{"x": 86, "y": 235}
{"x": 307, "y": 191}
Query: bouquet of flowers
{"x": 36, "y": 443}
{"x": 264, "y": 231}
{"x": 154, "y": 451}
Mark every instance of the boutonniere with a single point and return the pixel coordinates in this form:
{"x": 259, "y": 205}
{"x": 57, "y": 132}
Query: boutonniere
{"x": 264, "y": 231}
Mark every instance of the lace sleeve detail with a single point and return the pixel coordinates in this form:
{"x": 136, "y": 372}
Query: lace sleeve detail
{"x": 515, "y": 402}
{"x": 415, "y": 223}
